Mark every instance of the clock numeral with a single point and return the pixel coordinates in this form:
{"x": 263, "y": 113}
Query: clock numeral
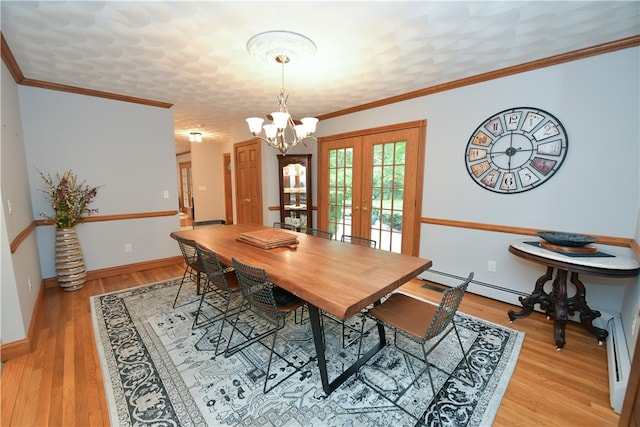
{"x": 512, "y": 120}
{"x": 544, "y": 166}
{"x": 508, "y": 181}
{"x": 480, "y": 168}
{"x": 481, "y": 139}
{"x": 491, "y": 178}
{"x": 477, "y": 154}
{"x": 531, "y": 121}
{"x": 549, "y": 129}
{"x": 494, "y": 126}
{"x": 527, "y": 177}
{"x": 552, "y": 148}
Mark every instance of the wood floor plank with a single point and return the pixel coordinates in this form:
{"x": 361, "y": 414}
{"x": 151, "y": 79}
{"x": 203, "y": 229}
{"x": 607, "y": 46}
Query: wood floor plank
{"x": 60, "y": 382}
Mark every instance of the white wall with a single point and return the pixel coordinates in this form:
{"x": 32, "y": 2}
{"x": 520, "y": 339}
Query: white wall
{"x": 125, "y": 148}
{"x": 18, "y": 298}
{"x": 208, "y": 180}
{"x": 600, "y": 171}
{"x": 596, "y": 191}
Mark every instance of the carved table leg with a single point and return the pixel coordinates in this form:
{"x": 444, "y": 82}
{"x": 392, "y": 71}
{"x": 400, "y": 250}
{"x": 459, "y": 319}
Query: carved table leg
{"x": 538, "y": 296}
{"x": 579, "y": 303}
{"x": 560, "y": 312}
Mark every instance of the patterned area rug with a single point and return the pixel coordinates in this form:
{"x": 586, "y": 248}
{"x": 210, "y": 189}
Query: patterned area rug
{"x": 159, "y": 371}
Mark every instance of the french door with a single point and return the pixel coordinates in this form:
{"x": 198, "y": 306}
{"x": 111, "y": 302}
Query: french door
{"x": 370, "y": 185}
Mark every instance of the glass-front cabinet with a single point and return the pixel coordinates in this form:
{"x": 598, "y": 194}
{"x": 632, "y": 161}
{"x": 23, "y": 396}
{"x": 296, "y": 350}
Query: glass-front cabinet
{"x": 295, "y": 190}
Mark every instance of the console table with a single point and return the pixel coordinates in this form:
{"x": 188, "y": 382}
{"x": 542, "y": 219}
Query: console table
{"x": 557, "y": 304}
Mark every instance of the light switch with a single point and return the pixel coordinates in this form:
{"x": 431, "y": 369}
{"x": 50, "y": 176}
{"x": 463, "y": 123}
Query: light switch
{"x": 166, "y": 194}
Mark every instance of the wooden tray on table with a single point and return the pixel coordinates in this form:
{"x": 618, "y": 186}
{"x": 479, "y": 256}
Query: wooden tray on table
{"x": 269, "y": 239}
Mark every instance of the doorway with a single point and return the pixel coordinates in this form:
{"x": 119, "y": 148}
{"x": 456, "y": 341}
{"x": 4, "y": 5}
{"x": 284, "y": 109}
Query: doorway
{"x": 248, "y": 169}
{"x": 186, "y": 189}
{"x": 370, "y": 185}
{"x": 228, "y": 191}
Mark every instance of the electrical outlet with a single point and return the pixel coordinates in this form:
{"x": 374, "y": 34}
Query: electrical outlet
{"x": 491, "y": 266}
{"x": 9, "y": 207}
{"x": 30, "y": 284}
{"x": 128, "y": 247}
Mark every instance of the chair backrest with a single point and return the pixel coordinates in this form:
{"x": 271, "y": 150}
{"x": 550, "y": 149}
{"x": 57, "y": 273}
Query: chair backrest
{"x": 188, "y": 249}
{"x": 362, "y": 241}
{"x": 447, "y": 309}
{"x": 213, "y": 268}
{"x": 320, "y": 233}
{"x": 284, "y": 225}
{"x": 255, "y": 286}
{"x": 208, "y": 222}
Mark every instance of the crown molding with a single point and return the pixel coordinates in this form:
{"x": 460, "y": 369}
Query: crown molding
{"x": 16, "y": 73}
{"x": 496, "y": 74}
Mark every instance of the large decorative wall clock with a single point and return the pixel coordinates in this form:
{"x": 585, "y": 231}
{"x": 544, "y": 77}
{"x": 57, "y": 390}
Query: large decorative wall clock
{"x": 516, "y": 150}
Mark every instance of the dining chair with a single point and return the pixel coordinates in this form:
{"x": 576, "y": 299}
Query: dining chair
{"x": 194, "y": 267}
{"x": 221, "y": 281}
{"x": 419, "y": 321}
{"x": 284, "y": 226}
{"x": 319, "y": 233}
{"x": 208, "y": 222}
{"x": 269, "y": 302}
{"x": 362, "y": 241}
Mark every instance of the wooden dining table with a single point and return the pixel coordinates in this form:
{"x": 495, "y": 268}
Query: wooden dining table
{"x": 338, "y": 278}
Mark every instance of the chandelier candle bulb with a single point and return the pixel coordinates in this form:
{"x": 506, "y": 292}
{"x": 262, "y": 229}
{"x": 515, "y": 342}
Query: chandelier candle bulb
{"x": 255, "y": 125}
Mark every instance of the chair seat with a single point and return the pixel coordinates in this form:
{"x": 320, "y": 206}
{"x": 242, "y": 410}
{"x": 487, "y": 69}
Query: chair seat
{"x": 284, "y": 298}
{"x": 232, "y": 281}
{"x": 405, "y": 313}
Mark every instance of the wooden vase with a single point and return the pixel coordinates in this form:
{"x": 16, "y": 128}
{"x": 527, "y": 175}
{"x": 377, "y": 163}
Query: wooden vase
{"x": 70, "y": 269}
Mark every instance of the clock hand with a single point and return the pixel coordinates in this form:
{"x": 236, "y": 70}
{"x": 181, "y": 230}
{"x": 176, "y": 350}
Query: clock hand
{"x": 511, "y": 151}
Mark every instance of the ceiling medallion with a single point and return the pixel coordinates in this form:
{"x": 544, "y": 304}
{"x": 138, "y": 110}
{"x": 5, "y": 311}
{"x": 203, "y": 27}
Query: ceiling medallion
{"x": 271, "y": 44}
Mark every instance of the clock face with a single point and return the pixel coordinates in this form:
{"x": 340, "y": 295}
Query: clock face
{"x": 516, "y": 150}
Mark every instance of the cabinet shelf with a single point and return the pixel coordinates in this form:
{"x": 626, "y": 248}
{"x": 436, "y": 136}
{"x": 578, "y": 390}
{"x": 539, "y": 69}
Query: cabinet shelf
{"x": 295, "y": 190}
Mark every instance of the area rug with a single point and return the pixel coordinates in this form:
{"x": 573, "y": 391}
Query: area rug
{"x": 159, "y": 371}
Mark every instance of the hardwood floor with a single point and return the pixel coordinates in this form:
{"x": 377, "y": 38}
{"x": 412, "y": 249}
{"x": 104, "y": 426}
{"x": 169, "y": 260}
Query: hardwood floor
{"x": 60, "y": 382}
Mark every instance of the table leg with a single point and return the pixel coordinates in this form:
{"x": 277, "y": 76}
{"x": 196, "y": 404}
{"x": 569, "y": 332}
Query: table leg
{"x": 579, "y": 303}
{"x": 316, "y": 329}
{"x": 559, "y": 311}
{"x": 538, "y": 296}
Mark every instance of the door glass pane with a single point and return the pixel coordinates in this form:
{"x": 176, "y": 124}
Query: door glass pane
{"x": 340, "y": 191}
{"x": 387, "y": 195}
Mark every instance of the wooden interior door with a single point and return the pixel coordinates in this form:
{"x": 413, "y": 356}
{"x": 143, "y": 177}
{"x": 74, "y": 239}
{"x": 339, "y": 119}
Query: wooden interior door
{"x": 186, "y": 189}
{"x": 371, "y": 185}
{"x": 228, "y": 191}
{"x": 248, "y": 182}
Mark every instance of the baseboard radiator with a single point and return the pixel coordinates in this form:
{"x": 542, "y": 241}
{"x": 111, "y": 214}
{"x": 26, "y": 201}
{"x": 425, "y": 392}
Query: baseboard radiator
{"x": 618, "y": 361}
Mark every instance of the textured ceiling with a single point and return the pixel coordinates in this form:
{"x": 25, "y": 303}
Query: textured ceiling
{"x": 193, "y": 54}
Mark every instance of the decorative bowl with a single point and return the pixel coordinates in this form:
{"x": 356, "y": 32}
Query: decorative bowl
{"x": 561, "y": 238}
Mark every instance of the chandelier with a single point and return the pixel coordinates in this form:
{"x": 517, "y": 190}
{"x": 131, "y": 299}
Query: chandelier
{"x": 284, "y": 132}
